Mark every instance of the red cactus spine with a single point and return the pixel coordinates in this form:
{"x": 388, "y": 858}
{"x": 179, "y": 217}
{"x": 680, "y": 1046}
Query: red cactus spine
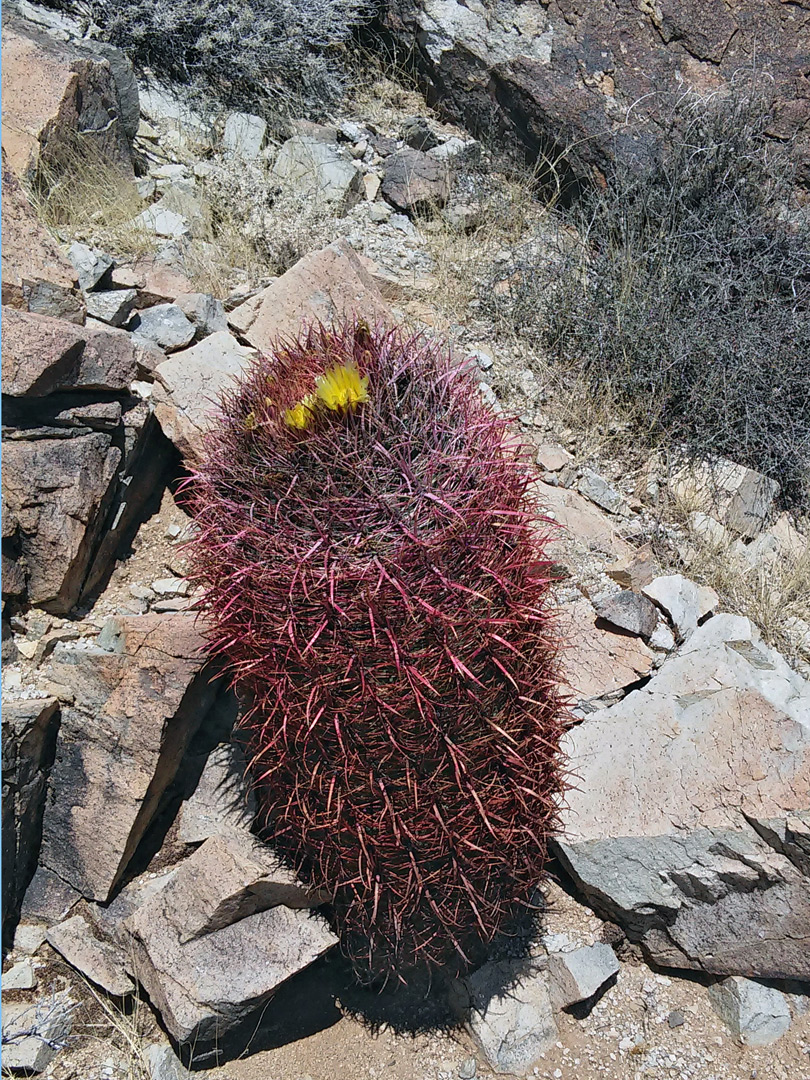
{"x": 376, "y": 579}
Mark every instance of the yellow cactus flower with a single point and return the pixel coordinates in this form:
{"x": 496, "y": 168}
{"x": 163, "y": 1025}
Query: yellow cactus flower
{"x": 301, "y": 414}
{"x": 342, "y": 387}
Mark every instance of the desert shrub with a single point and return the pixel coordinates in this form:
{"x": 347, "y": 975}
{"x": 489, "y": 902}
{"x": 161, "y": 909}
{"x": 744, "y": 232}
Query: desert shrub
{"x": 377, "y": 578}
{"x": 687, "y": 300}
{"x": 266, "y": 56}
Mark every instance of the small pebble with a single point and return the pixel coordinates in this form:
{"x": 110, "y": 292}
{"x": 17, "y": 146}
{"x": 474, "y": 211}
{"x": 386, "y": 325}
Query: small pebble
{"x": 676, "y": 1018}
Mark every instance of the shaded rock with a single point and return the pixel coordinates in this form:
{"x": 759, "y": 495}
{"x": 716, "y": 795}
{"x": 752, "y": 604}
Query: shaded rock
{"x": 36, "y": 276}
{"x": 656, "y": 833}
{"x": 414, "y": 182}
{"x": 57, "y": 105}
{"x": 206, "y": 986}
{"x": 166, "y": 325}
{"x": 323, "y": 286}
{"x": 599, "y": 491}
{"x": 579, "y": 974}
{"x": 56, "y": 493}
{"x": 33, "y": 1034}
{"x": 418, "y": 133}
{"x": 20, "y": 977}
{"x": 204, "y": 311}
{"x": 629, "y": 612}
{"x": 595, "y": 661}
{"x": 43, "y": 355}
{"x": 90, "y": 265}
{"x": 48, "y": 899}
{"x": 126, "y": 84}
{"x": 188, "y": 384}
{"x": 559, "y": 80}
{"x": 510, "y": 1014}
{"x": 677, "y": 597}
{"x": 147, "y": 457}
{"x": 99, "y": 961}
{"x": 319, "y": 170}
{"x": 228, "y": 878}
{"x": 221, "y": 800}
{"x": 140, "y": 694}
{"x": 244, "y": 135}
{"x": 758, "y": 1015}
{"x": 113, "y": 306}
{"x": 29, "y": 734}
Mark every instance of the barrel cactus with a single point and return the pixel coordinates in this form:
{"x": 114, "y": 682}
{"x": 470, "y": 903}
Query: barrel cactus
{"x": 376, "y": 580}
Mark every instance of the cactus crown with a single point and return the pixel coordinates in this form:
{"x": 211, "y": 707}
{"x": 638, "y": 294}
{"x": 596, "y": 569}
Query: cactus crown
{"x": 376, "y": 578}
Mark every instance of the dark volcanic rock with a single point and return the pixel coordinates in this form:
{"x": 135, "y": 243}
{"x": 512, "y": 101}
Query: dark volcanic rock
{"x": 579, "y": 85}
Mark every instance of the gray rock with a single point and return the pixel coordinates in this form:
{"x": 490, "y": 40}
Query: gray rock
{"x": 579, "y": 974}
{"x": 468, "y": 1069}
{"x": 414, "y": 182}
{"x": 164, "y": 1064}
{"x": 319, "y": 170}
{"x": 204, "y": 987}
{"x": 452, "y": 150}
{"x": 204, "y": 311}
{"x": 20, "y": 977}
{"x": 758, "y": 1015}
{"x": 48, "y": 899}
{"x": 126, "y": 84}
{"x": 112, "y": 306}
{"x": 166, "y": 325}
{"x": 121, "y": 743}
{"x": 90, "y": 265}
{"x": 99, "y": 961}
{"x": 163, "y": 221}
{"x": 676, "y": 1018}
{"x": 244, "y": 135}
{"x": 418, "y": 133}
{"x": 221, "y": 800}
{"x": 33, "y": 1034}
{"x": 677, "y": 597}
{"x": 509, "y": 1012}
{"x": 653, "y": 833}
{"x": 662, "y": 638}
{"x": 599, "y": 491}
{"x": 629, "y": 612}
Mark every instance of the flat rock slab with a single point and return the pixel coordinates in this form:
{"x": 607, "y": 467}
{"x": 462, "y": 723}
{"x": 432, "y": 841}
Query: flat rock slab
{"x": 585, "y": 527}
{"x": 36, "y": 275}
{"x": 656, "y": 828}
{"x": 99, "y": 961}
{"x": 189, "y": 384}
{"x": 595, "y": 660}
{"x": 43, "y": 355}
{"x": 140, "y": 694}
{"x": 325, "y": 286}
{"x": 208, "y": 985}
